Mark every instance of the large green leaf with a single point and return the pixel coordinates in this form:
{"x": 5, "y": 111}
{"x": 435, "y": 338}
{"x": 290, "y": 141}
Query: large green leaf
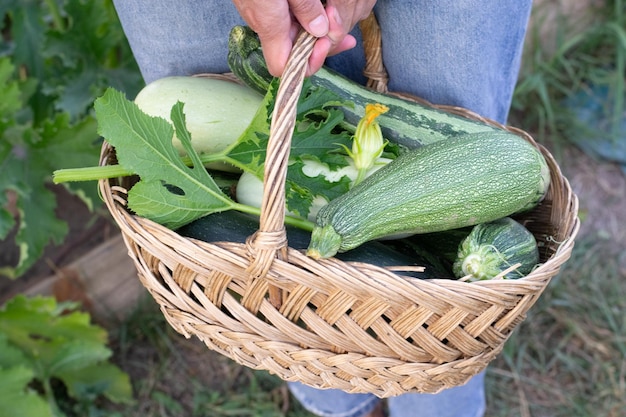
{"x": 9, "y": 106}
{"x": 28, "y": 31}
{"x": 10, "y": 355}
{"x": 42, "y": 319}
{"x": 50, "y": 340}
{"x": 54, "y": 340}
{"x": 16, "y": 398}
{"x": 170, "y": 192}
{"x": 57, "y": 57}
{"x": 99, "y": 379}
{"x": 9, "y": 91}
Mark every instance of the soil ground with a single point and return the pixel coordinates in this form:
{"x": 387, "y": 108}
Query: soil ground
{"x": 87, "y": 230}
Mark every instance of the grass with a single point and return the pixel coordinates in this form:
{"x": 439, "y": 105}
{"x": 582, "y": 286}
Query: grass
{"x": 174, "y": 376}
{"x": 585, "y": 50}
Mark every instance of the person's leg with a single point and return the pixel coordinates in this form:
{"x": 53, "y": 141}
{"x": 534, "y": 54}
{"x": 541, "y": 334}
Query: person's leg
{"x": 333, "y": 402}
{"x": 457, "y": 52}
{"x": 178, "y": 38}
{"x": 465, "y": 401}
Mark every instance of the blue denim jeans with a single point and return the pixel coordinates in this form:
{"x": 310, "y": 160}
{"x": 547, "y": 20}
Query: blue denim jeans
{"x": 454, "y": 52}
{"x": 464, "y": 401}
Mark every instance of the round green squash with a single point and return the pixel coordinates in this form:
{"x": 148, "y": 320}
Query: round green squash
{"x": 492, "y": 248}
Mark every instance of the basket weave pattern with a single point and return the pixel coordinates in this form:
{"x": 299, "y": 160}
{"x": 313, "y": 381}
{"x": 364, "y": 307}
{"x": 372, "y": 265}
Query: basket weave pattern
{"x": 329, "y": 323}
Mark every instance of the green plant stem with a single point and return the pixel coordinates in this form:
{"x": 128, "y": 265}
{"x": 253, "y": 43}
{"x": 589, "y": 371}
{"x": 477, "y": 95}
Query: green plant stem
{"x": 49, "y": 394}
{"x": 298, "y": 222}
{"x": 114, "y": 171}
{"x": 89, "y": 173}
{"x": 101, "y": 172}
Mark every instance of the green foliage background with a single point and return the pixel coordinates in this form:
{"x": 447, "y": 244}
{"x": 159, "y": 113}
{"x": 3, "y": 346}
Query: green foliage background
{"x": 584, "y": 51}
{"x": 45, "y": 345}
{"x": 56, "y": 57}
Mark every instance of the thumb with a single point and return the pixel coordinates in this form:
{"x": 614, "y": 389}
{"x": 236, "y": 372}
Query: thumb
{"x": 311, "y": 15}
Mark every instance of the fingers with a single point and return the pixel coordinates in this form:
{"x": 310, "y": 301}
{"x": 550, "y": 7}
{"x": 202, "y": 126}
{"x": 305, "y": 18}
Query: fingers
{"x": 311, "y": 15}
{"x": 339, "y": 28}
{"x": 343, "y": 16}
{"x": 322, "y": 50}
{"x": 277, "y": 23}
{"x": 271, "y": 20}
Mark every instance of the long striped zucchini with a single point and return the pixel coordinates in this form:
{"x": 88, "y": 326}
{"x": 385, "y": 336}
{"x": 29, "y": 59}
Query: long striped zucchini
{"x": 459, "y": 182}
{"x": 406, "y": 122}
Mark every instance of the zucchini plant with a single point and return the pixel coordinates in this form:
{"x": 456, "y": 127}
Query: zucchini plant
{"x": 56, "y": 58}
{"x": 54, "y": 362}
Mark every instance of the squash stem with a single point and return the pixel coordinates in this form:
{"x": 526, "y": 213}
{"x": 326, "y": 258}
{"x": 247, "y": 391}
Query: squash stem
{"x": 96, "y": 173}
{"x": 89, "y": 173}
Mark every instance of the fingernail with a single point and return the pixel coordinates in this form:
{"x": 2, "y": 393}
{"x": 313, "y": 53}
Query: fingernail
{"x": 319, "y": 26}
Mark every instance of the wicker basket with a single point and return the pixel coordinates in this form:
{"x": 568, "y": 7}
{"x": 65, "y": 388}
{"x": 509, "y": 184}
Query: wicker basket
{"x": 328, "y": 323}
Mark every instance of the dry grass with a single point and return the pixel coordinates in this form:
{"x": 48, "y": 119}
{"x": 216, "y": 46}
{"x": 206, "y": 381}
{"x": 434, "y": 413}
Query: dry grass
{"x": 569, "y": 357}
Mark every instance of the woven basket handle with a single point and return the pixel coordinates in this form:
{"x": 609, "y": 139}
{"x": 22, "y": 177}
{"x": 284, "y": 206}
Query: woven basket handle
{"x": 374, "y": 70}
{"x": 270, "y": 241}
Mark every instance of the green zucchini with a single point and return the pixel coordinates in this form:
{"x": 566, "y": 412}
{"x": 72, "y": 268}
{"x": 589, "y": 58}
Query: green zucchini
{"x": 246, "y": 59}
{"x": 460, "y": 182}
{"x": 407, "y": 122}
{"x": 492, "y": 248}
{"x": 235, "y": 226}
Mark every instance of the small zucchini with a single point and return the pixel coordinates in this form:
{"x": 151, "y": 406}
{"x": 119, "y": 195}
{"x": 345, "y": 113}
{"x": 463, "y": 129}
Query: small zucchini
{"x": 451, "y": 184}
{"x": 492, "y": 248}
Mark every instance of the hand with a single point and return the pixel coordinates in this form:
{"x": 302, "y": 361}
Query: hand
{"x": 277, "y": 23}
{"x": 343, "y": 15}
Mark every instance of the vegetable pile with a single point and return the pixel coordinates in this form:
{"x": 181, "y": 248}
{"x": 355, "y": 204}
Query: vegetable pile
{"x": 368, "y": 186}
